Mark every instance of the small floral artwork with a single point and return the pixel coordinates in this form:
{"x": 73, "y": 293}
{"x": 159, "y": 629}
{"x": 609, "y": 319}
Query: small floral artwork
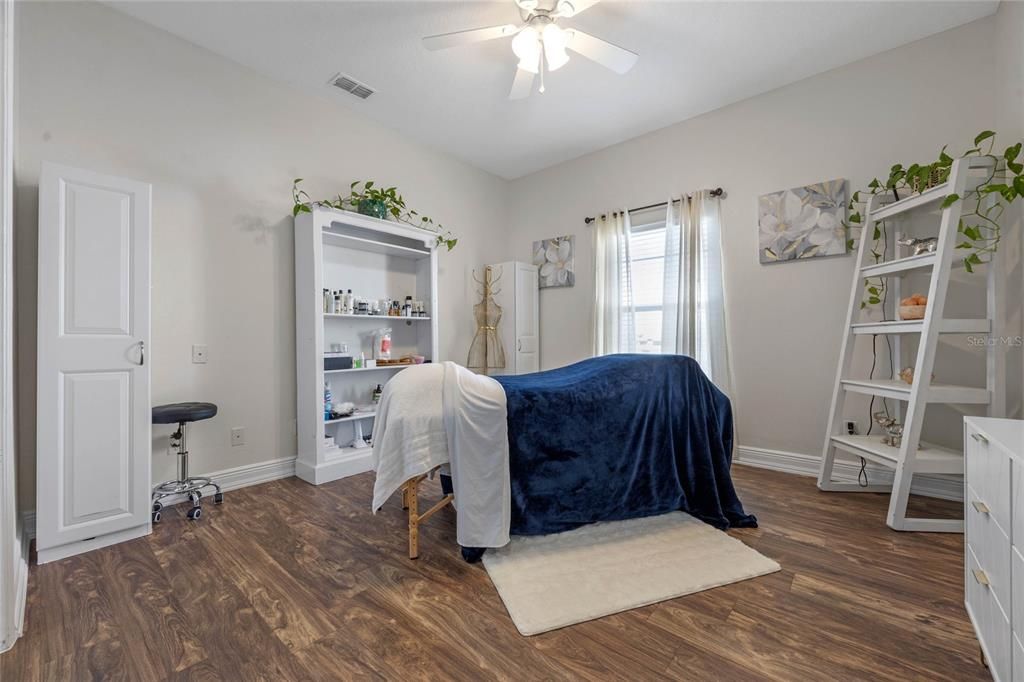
{"x": 554, "y": 258}
{"x": 802, "y": 223}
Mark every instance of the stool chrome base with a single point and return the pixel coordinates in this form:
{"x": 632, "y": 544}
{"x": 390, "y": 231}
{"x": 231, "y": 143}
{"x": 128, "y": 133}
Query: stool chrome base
{"x": 192, "y": 486}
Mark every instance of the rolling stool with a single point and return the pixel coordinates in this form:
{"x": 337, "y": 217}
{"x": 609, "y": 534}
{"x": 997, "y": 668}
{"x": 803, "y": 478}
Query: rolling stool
{"x": 181, "y": 414}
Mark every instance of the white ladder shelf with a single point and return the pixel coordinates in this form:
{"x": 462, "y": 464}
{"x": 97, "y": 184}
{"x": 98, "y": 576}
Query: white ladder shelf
{"x": 912, "y": 456}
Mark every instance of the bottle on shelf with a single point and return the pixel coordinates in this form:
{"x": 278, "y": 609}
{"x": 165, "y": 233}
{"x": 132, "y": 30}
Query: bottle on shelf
{"x": 382, "y": 344}
{"x": 377, "y": 393}
{"x": 407, "y": 307}
{"x": 327, "y": 401}
{"x": 349, "y": 300}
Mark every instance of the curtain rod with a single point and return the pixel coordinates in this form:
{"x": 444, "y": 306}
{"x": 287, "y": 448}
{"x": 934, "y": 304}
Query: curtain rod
{"x": 716, "y": 192}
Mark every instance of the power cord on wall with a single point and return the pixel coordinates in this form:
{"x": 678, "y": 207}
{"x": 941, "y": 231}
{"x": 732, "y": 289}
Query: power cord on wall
{"x": 862, "y": 475}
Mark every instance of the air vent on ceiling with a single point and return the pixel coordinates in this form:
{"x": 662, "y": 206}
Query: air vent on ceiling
{"x": 349, "y": 84}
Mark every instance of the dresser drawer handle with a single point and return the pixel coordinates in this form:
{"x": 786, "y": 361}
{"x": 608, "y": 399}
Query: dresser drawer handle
{"x": 980, "y": 438}
{"x": 981, "y": 507}
{"x": 981, "y": 577}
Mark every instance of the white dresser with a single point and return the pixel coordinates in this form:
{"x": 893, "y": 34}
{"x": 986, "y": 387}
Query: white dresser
{"x": 994, "y": 547}
{"x": 517, "y": 291}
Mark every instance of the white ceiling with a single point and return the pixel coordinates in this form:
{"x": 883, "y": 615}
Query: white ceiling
{"x": 694, "y": 57}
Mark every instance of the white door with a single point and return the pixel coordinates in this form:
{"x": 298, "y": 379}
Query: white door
{"x": 93, "y": 410}
{"x": 527, "y": 319}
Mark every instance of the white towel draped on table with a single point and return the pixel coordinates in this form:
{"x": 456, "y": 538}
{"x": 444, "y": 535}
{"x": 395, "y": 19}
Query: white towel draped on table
{"x": 435, "y": 414}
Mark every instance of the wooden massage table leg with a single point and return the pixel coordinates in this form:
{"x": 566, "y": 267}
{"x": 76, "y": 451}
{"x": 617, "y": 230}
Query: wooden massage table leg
{"x": 410, "y": 501}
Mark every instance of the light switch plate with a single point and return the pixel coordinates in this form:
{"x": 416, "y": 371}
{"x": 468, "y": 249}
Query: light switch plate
{"x": 237, "y": 436}
{"x": 199, "y": 354}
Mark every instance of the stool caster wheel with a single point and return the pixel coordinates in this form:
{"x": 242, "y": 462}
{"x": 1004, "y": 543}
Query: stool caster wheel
{"x": 156, "y": 516}
{"x": 194, "y": 498}
{"x": 218, "y": 498}
{"x": 195, "y": 512}
{"x": 157, "y": 506}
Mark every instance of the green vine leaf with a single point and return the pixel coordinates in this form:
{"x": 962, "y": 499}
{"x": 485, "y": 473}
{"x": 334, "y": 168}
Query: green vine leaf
{"x": 982, "y": 206}
{"x": 982, "y": 136}
{"x": 393, "y": 202}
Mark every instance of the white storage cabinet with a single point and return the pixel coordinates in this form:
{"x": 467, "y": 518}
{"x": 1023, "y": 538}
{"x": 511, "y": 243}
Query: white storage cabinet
{"x": 93, "y": 434}
{"x": 518, "y": 294}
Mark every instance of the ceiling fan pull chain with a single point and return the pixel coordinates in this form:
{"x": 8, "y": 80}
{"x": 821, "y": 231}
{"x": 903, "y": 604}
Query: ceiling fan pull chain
{"x": 543, "y": 63}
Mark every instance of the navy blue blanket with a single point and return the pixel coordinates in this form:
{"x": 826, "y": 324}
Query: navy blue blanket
{"x": 619, "y": 437}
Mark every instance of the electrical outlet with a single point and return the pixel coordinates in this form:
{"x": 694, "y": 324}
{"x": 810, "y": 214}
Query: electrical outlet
{"x": 851, "y": 427}
{"x": 237, "y": 436}
{"x": 199, "y": 354}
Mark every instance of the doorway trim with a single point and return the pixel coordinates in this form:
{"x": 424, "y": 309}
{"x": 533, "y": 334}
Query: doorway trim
{"x": 13, "y": 538}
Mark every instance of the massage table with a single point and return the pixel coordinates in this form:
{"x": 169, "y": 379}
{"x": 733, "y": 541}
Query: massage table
{"x": 606, "y": 439}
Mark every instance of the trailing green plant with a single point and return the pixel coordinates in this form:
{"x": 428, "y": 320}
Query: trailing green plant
{"x": 979, "y": 229}
{"x": 368, "y": 191}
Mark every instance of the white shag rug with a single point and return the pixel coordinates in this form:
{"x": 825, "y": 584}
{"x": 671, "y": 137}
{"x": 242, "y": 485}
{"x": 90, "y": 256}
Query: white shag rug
{"x": 550, "y": 581}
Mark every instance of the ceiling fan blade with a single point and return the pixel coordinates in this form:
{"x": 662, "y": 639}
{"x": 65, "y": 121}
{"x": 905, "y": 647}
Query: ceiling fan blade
{"x": 476, "y": 35}
{"x": 570, "y": 8}
{"x": 522, "y": 86}
{"x": 618, "y": 59}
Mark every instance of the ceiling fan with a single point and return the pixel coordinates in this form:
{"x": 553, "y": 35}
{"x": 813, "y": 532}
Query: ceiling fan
{"x": 540, "y": 43}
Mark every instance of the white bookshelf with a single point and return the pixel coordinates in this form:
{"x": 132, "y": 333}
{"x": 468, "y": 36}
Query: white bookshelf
{"x": 375, "y": 259}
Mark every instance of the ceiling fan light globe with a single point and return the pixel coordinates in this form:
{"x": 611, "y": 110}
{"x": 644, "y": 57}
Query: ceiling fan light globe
{"x": 555, "y": 42}
{"x": 528, "y": 5}
{"x": 526, "y": 46}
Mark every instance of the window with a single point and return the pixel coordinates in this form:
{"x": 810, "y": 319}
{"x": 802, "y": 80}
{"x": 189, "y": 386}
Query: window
{"x": 647, "y": 266}
{"x": 658, "y": 285}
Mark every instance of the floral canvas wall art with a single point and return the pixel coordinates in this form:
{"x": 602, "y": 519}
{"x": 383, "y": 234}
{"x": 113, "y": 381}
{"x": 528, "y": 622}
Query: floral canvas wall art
{"x": 804, "y": 222}
{"x": 554, "y": 258}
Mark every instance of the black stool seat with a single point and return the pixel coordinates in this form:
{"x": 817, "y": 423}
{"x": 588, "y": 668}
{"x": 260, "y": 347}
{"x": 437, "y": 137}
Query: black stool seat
{"x": 183, "y": 412}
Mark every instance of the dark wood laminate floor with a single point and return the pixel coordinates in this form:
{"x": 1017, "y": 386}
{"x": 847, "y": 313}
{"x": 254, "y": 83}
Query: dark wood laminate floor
{"x": 288, "y": 581}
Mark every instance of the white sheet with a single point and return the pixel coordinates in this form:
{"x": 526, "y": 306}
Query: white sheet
{"x": 476, "y": 423}
{"x": 443, "y": 413}
{"x": 408, "y": 432}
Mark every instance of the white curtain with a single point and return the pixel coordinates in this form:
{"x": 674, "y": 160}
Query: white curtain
{"x": 694, "y": 296}
{"x": 614, "y": 323}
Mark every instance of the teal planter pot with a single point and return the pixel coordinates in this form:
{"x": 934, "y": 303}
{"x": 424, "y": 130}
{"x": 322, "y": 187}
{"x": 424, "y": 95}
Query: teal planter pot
{"x": 373, "y": 207}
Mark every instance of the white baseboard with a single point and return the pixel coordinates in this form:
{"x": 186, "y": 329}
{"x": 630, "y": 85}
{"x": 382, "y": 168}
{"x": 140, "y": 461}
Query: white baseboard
{"x": 927, "y": 485}
{"x": 244, "y": 476}
{"x": 348, "y": 464}
{"x": 227, "y": 479}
